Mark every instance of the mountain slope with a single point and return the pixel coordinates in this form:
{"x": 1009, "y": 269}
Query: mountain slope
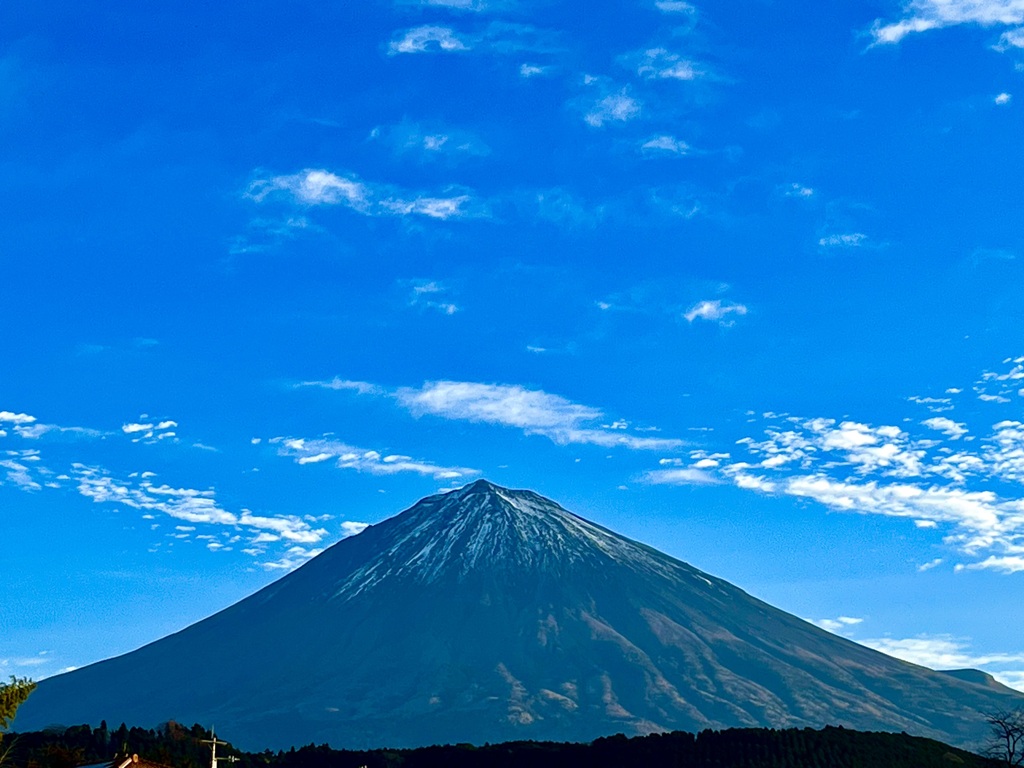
{"x": 487, "y": 614}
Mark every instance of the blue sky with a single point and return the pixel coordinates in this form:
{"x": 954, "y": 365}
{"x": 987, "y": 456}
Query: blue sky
{"x": 739, "y": 280}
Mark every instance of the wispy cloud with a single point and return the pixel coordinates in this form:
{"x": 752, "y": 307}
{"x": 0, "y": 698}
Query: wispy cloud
{"x": 948, "y": 652}
{"x": 680, "y": 476}
{"x": 716, "y": 311}
{"x": 496, "y": 38}
{"x": 940, "y": 476}
{"x": 948, "y": 427}
{"x": 315, "y": 187}
{"x": 428, "y": 39}
{"x": 844, "y": 240}
{"x": 674, "y": 6}
{"x": 150, "y": 432}
{"x": 663, "y": 64}
{"x": 794, "y": 189}
{"x": 201, "y": 517}
{"x": 432, "y": 144}
{"x": 665, "y": 144}
{"x": 942, "y": 652}
{"x": 431, "y": 294}
{"x": 1001, "y": 386}
{"x": 359, "y": 387}
{"x": 345, "y": 456}
{"x": 534, "y": 70}
{"x": 617, "y": 107}
{"x": 17, "y": 472}
{"x": 533, "y": 411}
{"x": 838, "y": 624}
{"x": 472, "y": 6}
{"x": 925, "y": 15}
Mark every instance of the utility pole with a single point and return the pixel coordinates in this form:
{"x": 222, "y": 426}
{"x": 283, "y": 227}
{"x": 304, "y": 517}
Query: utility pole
{"x": 213, "y": 742}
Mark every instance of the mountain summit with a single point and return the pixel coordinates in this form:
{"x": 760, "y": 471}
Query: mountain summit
{"x": 489, "y": 614}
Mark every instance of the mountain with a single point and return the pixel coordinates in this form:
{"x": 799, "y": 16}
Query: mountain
{"x": 487, "y": 614}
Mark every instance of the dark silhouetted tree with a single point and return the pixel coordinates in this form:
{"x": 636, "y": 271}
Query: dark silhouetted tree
{"x": 1006, "y": 743}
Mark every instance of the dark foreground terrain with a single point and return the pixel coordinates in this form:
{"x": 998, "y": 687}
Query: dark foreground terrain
{"x": 180, "y": 747}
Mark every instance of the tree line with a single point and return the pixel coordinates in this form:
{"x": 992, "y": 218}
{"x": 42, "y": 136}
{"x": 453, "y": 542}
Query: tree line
{"x": 180, "y": 747}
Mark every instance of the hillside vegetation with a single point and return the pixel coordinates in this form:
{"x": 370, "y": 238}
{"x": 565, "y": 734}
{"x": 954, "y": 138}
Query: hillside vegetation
{"x": 180, "y": 747}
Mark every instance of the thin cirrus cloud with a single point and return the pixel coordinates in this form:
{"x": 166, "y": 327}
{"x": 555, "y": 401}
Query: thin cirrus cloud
{"x": 319, "y": 187}
{"x": 428, "y": 39}
{"x": 150, "y": 432}
{"x": 844, "y": 240}
{"x": 433, "y": 295}
{"x": 345, "y": 456}
{"x": 198, "y": 515}
{"x": 412, "y": 139}
{"x": 674, "y": 6}
{"x": 497, "y": 38}
{"x": 617, "y": 107}
{"x": 925, "y": 15}
{"x": 532, "y": 411}
{"x": 933, "y": 651}
{"x": 662, "y": 64}
{"x": 474, "y": 6}
{"x": 665, "y": 144}
{"x": 940, "y": 476}
{"x": 715, "y": 311}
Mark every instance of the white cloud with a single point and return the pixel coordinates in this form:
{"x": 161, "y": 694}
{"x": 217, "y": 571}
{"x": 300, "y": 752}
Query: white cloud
{"x": 837, "y": 625}
{"x": 615, "y": 107}
{"x": 1012, "y": 39}
{"x": 428, "y": 39}
{"x": 431, "y": 144}
{"x": 1001, "y": 386}
{"x": 662, "y": 64}
{"x": 292, "y": 559}
{"x": 352, "y": 528}
{"x": 797, "y": 190}
{"x": 498, "y": 38}
{"x": 535, "y": 412}
{"x": 948, "y": 427}
{"x": 148, "y": 432}
{"x": 715, "y": 311}
{"x": 458, "y": 5}
{"x": 669, "y": 144}
{"x": 848, "y": 240}
{"x": 1003, "y": 98}
{"x": 1004, "y": 564}
{"x": 432, "y": 207}
{"x": 190, "y": 505}
{"x": 432, "y": 294}
{"x": 681, "y": 476}
{"x": 345, "y": 456}
{"x": 18, "y": 474}
{"x": 337, "y": 384}
{"x": 8, "y": 417}
{"x": 314, "y": 186}
{"x": 674, "y": 6}
{"x": 924, "y": 15}
{"x": 939, "y": 477}
{"x": 533, "y": 70}
{"x": 939, "y": 652}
